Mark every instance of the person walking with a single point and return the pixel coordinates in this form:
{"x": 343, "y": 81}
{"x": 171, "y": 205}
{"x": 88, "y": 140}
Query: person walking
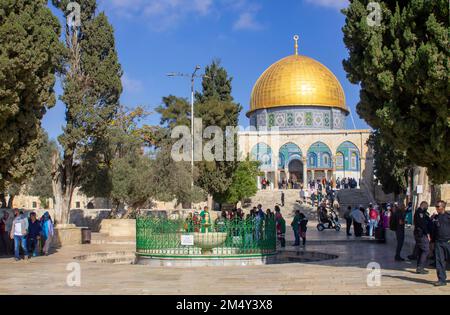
{"x": 19, "y": 233}
{"x": 48, "y": 232}
{"x": 295, "y": 224}
{"x": 422, "y": 236}
{"x": 348, "y": 220}
{"x": 303, "y": 228}
{"x": 373, "y": 220}
{"x": 441, "y": 235}
{"x": 397, "y": 224}
{"x": 358, "y": 220}
{"x": 282, "y": 199}
{"x": 281, "y": 226}
{"x": 34, "y": 234}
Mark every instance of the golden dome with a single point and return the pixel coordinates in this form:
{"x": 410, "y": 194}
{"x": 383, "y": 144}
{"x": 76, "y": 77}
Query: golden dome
{"x": 297, "y": 81}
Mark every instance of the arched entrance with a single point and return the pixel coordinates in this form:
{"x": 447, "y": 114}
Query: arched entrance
{"x": 296, "y": 170}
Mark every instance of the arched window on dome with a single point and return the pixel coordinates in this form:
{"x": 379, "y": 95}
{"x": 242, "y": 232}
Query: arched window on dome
{"x": 312, "y": 160}
{"x": 326, "y": 160}
{"x": 350, "y": 155}
{"x": 354, "y": 161}
{"x": 322, "y": 155}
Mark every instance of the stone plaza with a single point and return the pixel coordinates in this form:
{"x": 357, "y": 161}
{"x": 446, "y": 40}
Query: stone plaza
{"x": 106, "y": 267}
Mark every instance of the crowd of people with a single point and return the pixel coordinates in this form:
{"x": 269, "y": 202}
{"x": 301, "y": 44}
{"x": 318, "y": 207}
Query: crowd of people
{"x": 25, "y": 235}
{"x": 201, "y": 222}
{"x": 431, "y": 233}
{"x": 346, "y": 183}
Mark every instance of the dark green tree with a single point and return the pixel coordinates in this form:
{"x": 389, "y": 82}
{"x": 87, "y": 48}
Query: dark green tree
{"x": 402, "y": 66}
{"x": 92, "y": 87}
{"x": 174, "y": 111}
{"x": 216, "y": 107}
{"x": 390, "y": 165}
{"x": 243, "y": 183}
{"x": 30, "y": 53}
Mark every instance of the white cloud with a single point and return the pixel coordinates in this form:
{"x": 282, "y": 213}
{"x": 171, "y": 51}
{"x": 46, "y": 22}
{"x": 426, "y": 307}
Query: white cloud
{"x": 334, "y": 4}
{"x": 247, "y": 21}
{"x": 163, "y": 15}
{"x": 131, "y": 85}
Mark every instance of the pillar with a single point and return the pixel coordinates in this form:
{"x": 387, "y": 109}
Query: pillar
{"x": 312, "y": 175}
{"x": 275, "y": 183}
{"x": 305, "y": 173}
{"x": 333, "y": 176}
{"x": 326, "y": 174}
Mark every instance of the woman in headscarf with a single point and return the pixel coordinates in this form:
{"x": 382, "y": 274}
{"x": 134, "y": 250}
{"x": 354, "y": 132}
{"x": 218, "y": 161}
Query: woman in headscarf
{"x": 47, "y": 232}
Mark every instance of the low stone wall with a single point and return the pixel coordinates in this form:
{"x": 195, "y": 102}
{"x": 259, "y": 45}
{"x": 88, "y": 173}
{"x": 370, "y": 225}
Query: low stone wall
{"x": 66, "y": 235}
{"x": 91, "y": 218}
{"x": 118, "y": 227}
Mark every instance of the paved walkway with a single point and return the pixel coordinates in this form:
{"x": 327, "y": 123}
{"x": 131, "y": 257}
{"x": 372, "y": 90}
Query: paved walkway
{"x": 347, "y": 274}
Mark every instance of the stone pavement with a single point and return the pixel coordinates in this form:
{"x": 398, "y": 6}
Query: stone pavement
{"x": 347, "y": 274}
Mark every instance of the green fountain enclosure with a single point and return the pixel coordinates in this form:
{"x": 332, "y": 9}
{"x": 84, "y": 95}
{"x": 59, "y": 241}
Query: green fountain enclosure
{"x": 190, "y": 239}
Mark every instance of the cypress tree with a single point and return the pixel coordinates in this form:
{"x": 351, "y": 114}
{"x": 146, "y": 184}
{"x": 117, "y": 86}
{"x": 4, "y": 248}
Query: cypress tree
{"x": 92, "y": 87}
{"x": 402, "y": 66}
{"x": 30, "y": 53}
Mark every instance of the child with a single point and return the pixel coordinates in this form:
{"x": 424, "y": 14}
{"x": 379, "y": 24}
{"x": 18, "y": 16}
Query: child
{"x": 303, "y": 227}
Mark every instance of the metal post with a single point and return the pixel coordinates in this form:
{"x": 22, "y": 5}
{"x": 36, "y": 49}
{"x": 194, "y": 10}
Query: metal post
{"x": 192, "y": 76}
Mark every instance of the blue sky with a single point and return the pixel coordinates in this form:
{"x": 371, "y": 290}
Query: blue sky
{"x": 154, "y": 37}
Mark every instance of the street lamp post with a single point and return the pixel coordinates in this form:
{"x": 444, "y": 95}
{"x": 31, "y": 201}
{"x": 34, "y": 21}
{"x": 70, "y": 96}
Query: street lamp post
{"x": 192, "y": 76}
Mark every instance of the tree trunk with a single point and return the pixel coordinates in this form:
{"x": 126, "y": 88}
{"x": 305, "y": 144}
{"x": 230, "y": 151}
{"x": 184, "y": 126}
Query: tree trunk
{"x": 3, "y": 201}
{"x": 63, "y": 185}
{"x": 10, "y": 201}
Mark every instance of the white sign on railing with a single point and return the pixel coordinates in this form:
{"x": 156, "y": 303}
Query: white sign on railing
{"x": 187, "y": 240}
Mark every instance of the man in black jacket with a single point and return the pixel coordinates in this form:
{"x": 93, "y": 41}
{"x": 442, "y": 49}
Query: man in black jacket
{"x": 422, "y": 236}
{"x": 441, "y": 234}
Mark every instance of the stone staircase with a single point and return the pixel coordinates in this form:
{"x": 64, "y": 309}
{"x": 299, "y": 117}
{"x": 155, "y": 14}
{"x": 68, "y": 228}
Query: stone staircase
{"x": 270, "y": 198}
{"x": 353, "y": 198}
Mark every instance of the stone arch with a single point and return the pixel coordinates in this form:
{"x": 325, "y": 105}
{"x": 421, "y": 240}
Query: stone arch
{"x": 287, "y": 153}
{"x": 322, "y": 155}
{"x": 351, "y": 154}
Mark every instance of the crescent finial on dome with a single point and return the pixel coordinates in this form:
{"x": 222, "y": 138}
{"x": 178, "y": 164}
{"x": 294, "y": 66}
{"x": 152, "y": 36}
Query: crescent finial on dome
{"x": 296, "y": 38}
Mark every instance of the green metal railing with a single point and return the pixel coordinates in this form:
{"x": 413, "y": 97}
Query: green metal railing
{"x": 163, "y": 237}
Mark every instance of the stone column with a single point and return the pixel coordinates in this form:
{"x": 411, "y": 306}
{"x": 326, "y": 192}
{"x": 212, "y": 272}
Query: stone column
{"x": 305, "y": 173}
{"x": 326, "y": 174}
{"x": 334, "y": 172}
{"x": 312, "y": 175}
{"x": 275, "y": 183}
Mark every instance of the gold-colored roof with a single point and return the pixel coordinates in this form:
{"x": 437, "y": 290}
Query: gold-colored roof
{"x": 297, "y": 81}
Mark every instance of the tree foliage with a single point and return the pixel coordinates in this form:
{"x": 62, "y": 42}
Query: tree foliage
{"x": 402, "y": 66}
{"x": 30, "y": 53}
{"x": 243, "y": 184}
{"x": 216, "y": 107}
{"x": 40, "y": 183}
{"x": 390, "y": 165}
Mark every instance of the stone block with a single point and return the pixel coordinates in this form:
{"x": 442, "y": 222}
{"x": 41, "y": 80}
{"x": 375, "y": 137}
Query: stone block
{"x": 66, "y": 235}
